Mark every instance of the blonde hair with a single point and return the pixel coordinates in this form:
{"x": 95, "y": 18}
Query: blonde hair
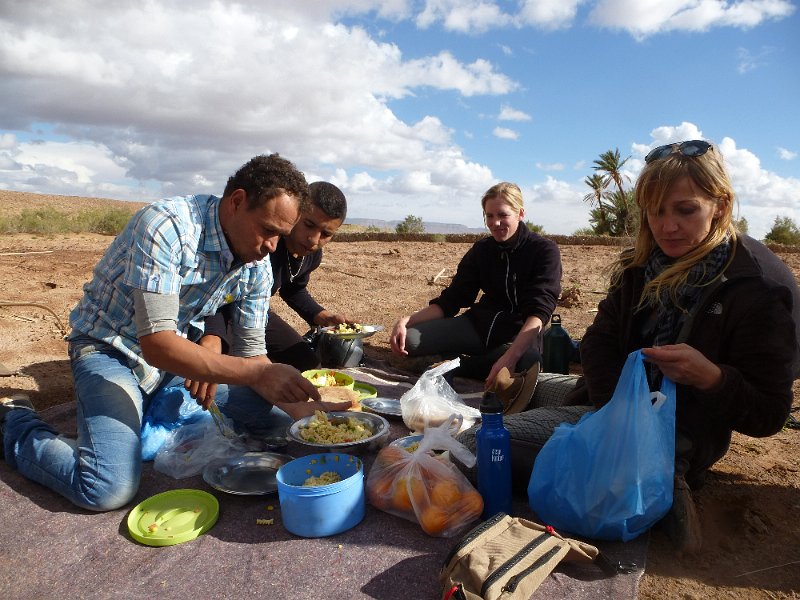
{"x": 708, "y": 175}
{"x": 508, "y": 192}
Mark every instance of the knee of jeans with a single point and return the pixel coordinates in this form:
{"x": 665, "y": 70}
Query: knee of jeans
{"x": 112, "y": 494}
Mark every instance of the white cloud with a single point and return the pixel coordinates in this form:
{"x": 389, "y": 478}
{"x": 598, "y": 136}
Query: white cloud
{"x": 550, "y": 166}
{"x": 749, "y": 61}
{"x": 504, "y": 133}
{"x": 785, "y": 154}
{"x": 511, "y": 114}
{"x": 549, "y": 14}
{"x": 557, "y": 206}
{"x": 643, "y": 18}
{"x": 761, "y": 194}
{"x": 465, "y": 16}
{"x": 236, "y": 82}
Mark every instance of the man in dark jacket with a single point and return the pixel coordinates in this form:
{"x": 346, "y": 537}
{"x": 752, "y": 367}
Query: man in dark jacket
{"x": 295, "y": 258}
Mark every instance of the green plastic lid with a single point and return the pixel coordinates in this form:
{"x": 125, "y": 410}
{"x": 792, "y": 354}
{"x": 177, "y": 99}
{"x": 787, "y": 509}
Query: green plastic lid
{"x": 173, "y": 517}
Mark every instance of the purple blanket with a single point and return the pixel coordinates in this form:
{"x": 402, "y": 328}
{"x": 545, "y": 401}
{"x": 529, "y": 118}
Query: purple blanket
{"x": 50, "y": 549}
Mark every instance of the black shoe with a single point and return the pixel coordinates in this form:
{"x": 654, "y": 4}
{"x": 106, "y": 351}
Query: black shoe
{"x": 681, "y": 524}
{"x": 6, "y": 406}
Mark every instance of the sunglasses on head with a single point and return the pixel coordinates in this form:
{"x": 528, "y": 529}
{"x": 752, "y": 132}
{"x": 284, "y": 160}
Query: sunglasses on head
{"x": 690, "y": 148}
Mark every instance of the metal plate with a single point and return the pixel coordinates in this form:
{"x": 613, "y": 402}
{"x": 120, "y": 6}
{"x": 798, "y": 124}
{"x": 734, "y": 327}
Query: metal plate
{"x": 386, "y": 407}
{"x": 376, "y": 423}
{"x": 252, "y": 474}
{"x": 367, "y": 330}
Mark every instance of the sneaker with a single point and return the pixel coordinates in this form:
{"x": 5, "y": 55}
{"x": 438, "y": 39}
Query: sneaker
{"x": 515, "y": 392}
{"x": 8, "y": 404}
{"x": 682, "y": 525}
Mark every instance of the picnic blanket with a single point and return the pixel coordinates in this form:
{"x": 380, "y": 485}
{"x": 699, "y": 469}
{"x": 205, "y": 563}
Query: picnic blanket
{"x": 51, "y": 549}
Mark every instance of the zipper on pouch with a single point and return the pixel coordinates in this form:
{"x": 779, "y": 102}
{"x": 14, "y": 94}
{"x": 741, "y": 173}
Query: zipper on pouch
{"x": 476, "y": 531}
{"x": 511, "y": 562}
{"x": 512, "y": 584}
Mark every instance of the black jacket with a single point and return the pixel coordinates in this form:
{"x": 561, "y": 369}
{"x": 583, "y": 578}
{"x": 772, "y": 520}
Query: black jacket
{"x": 291, "y": 285}
{"x": 519, "y": 279}
{"x": 745, "y": 326}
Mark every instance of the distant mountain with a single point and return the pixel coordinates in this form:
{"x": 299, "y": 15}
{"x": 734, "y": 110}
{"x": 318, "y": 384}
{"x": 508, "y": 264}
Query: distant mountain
{"x": 430, "y": 226}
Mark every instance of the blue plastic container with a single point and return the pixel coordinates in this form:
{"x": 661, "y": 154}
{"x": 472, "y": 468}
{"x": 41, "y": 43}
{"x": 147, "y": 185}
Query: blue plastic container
{"x": 323, "y": 510}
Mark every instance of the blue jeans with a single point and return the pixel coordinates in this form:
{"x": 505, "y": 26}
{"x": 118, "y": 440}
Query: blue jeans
{"x": 101, "y": 469}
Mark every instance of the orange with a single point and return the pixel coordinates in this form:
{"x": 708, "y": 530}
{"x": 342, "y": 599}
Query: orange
{"x": 471, "y": 504}
{"x": 379, "y": 492}
{"x": 390, "y": 455}
{"x": 445, "y": 493}
{"x": 401, "y": 499}
{"x": 433, "y": 519}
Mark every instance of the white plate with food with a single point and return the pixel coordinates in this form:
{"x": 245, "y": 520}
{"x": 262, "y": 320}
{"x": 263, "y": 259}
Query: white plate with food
{"x": 351, "y": 331}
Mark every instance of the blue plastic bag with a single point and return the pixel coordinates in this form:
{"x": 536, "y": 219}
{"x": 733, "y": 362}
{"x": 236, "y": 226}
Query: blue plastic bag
{"x": 168, "y": 410}
{"x": 610, "y": 475}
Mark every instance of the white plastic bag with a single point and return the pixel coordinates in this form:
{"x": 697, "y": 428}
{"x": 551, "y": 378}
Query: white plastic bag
{"x": 189, "y": 448}
{"x": 432, "y": 400}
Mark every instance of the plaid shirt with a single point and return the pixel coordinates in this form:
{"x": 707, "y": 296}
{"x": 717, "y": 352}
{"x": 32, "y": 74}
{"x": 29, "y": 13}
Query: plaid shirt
{"x": 176, "y": 247}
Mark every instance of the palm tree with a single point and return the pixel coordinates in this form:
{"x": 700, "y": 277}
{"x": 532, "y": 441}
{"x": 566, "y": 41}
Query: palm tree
{"x": 610, "y": 166}
{"x": 614, "y": 212}
{"x": 599, "y": 214}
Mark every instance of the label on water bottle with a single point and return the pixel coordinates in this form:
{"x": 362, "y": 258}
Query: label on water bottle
{"x": 497, "y": 455}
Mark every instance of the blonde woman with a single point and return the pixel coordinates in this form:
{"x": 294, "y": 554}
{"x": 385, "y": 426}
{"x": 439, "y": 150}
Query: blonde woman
{"x": 713, "y": 310}
{"x": 519, "y": 273}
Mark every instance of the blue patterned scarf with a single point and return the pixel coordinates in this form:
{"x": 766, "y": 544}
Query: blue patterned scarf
{"x": 669, "y": 315}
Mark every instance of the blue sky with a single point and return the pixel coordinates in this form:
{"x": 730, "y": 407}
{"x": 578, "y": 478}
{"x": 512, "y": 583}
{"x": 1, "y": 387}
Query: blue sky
{"x": 411, "y": 107}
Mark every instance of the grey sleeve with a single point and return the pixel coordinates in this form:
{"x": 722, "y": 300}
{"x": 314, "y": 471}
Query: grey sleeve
{"x": 247, "y": 341}
{"x": 154, "y": 312}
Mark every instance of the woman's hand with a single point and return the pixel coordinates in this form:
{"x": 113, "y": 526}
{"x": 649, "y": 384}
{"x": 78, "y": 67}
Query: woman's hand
{"x": 685, "y": 365}
{"x": 398, "y": 337}
{"x": 507, "y": 361}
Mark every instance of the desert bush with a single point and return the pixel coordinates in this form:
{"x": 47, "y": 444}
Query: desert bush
{"x": 50, "y": 221}
{"x": 784, "y": 231}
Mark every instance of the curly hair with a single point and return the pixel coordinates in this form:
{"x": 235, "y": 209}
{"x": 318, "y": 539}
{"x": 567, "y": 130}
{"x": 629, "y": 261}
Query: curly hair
{"x": 266, "y": 177}
{"x": 708, "y": 175}
{"x": 329, "y": 199}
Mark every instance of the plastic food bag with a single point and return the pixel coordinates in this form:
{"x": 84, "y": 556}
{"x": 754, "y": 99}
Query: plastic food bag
{"x": 432, "y": 400}
{"x": 610, "y": 475}
{"x": 423, "y": 488}
{"x": 191, "y": 447}
{"x": 168, "y": 410}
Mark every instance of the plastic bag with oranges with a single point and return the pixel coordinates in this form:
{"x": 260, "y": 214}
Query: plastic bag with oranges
{"x": 425, "y": 488}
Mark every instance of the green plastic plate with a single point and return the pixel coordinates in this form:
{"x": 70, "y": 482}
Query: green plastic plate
{"x": 173, "y": 517}
{"x": 364, "y": 390}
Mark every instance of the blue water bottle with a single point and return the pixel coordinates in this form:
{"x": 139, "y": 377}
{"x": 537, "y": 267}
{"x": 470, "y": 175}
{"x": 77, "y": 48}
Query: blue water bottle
{"x": 493, "y": 444}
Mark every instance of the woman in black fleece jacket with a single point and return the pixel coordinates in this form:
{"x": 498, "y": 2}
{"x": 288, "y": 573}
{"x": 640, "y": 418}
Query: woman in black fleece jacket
{"x": 519, "y": 273}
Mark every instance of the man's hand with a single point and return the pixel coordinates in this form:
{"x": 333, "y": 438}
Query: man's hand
{"x": 201, "y": 391}
{"x": 327, "y": 318}
{"x": 283, "y": 384}
{"x": 298, "y": 410}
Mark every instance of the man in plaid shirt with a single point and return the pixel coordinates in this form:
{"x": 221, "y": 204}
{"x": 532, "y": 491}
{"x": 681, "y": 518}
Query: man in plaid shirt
{"x": 134, "y": 333}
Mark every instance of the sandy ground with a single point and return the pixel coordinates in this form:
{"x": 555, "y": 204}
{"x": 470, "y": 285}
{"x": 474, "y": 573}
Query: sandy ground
{"x": 750, "y": 507}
